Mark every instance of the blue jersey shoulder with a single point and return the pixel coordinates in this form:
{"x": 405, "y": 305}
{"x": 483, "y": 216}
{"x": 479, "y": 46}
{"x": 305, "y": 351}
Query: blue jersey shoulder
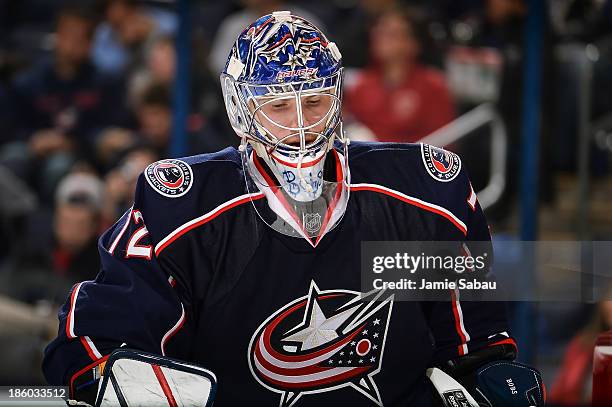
{"x": 229, "y": 155}
{"x": 421, "y": 171}
{"x": 172, "y": 192}
{"x": 399, "y": 160}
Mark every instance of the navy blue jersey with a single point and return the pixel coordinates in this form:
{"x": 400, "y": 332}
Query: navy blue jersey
{"x": 192, "y": 272}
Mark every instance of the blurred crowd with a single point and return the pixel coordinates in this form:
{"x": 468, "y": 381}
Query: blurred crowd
{"x": 87, "y": 96}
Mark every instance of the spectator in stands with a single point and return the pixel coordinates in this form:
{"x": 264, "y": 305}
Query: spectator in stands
{"x": 60, "y": 104}
{"x": 207, "y": 112}
{"x": 572, "y": 385}
{"x": 351, "y": 29}
{"x": 396, "y": 97}
{"x": 66, "y": 247}
{"x": 76, "y": 226}
{"x": 111, "y": 143}
{"x": 129, "y": 28}
{"x": 120, "y": 183}
{"x": 154, "y": 113}
{"x": 159, "y": 67}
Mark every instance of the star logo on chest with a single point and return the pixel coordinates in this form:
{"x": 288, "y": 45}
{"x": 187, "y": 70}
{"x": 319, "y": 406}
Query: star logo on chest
{"x": 319, "y": 329}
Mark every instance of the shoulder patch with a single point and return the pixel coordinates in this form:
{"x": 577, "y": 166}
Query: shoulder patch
{"x": 171, "y": 178}
{"x": 442, "y": 165}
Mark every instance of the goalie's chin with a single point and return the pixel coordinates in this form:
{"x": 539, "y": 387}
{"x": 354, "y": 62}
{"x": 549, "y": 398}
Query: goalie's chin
{"x": 295, "y": 140}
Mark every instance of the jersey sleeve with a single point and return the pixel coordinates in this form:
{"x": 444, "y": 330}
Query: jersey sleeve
{"x": 134, "y": 301}
{"x": 460, "y": 327}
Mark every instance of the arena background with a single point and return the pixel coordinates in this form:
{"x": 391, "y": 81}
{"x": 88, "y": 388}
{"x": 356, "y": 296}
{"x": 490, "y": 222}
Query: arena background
{"x": 93, "y": 91}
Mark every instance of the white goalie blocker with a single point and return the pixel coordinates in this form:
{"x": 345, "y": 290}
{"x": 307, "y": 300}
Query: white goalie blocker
{"x": 132, "y": 378}
{"x": 452, "y": 393}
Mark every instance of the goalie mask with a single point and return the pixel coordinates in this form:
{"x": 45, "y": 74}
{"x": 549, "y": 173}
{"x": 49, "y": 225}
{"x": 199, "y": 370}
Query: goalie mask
{"x": 282, "y": 89}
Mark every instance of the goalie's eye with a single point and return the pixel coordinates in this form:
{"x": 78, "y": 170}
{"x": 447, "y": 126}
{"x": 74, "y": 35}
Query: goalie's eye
{"x": 279, "y": 105}
{"x": 313, "y": 101}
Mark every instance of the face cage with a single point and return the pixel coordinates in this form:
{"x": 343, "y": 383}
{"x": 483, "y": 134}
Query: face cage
{"x": 243, "y": 106}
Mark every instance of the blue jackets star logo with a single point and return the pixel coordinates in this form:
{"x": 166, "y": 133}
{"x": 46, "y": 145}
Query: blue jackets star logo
{"x": 322, "y": 342}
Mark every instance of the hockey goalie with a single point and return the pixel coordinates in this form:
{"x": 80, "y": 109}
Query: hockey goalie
{"x": 246, "y": 261}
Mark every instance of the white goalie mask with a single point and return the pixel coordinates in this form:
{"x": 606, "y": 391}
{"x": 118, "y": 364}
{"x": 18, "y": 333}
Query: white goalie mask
{"x": 282, "y": 88}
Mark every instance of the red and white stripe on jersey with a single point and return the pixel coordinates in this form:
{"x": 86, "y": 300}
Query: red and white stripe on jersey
{"x": 70, "y": 320}
{"x": 91, "y": 349}
{"x": 125, "y": 216}
{"x": 462, "y": 348}
{"x": 471, "y": 199}
{"x": 413, "y": 201}
{"x": 87, "y": 343}
{"x": 207, "y": 217}
{"x": 179, "y": 324}
{"x": 199, "y": 221}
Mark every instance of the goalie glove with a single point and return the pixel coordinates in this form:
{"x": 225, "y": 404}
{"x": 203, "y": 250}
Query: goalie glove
{"x": 505, "y": 383}
{"x": 135, "y": 378}
{"x": 489, "y": 378}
